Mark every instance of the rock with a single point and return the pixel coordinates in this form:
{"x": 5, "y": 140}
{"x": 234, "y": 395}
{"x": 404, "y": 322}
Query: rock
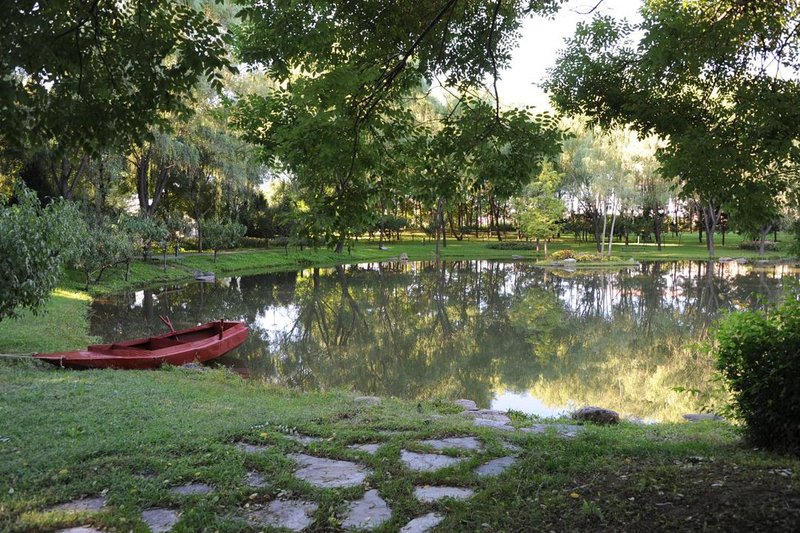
{"x": 461, "y": 443}
{"x": 246, "y": 447}
{"x": 303, "y": 439}
{"x": 516, "y": 257}
{"x": 329, "y": 473}
{"x": 469, "y": 405}
{"x": 294, "y": 515}
{"x": 484, "y": 422}
{"x": 495, "y": 467}
{"x": 80, "y": 505}
{"x": 81, "y": 529}
{"x": 430, "y": 494}
{"x": 725, "y": 259}
{"x": 570, "y": 261}
{"x": 368, "y": 400}
{"x": 423, "y": 524}
{"x": 255, "y": 480}
{"x": 427, "y": 462}
{"x": 596, "y": 415}
{"x": 701, "y": 417}
{"x": 160, "y": 520}
{"x": 511, "y": 447}
{"x": 371, "y": 448}
{"x": 488, "y": 414}
{"x": 367, "y": 513}
{"x": 403, "y": 256}
{"x": 197, "y": 367}
{"x": 563, "y": 430}
{"x": 192, "y": 488}
{"x": 742, "y": 261}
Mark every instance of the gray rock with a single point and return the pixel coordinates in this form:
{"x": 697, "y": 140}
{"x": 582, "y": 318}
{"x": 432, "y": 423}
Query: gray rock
{"x": 485, "y": 422}
{"x": 427, "y": 462}
{"x": 563, "y": 430}
{"x": 370, "y": 448}
{"x": 367, "y": 513}
{"x": 511, "y": 447}
{"x": 461, "y": 443}
{"x": 596, "y": 415}
{"x": 295, "y": 515}
{"x": 255, "y": 480}
{"x": 495, "y": 467}
{"x": 469, "y": 405}
{"x": 701, "y": 417}
{"x": 403, "y": 256}
{"x": 725, "y": 259}
{"x": 488, "y": 414}
{"x": 160, "y": 520}
{"x": 246, "y": 447}
{"x": 329, "y": 473}
{"x": 81, "y": 505}
{"x": 81, "y": 529}
{"x": 368, "y": 400}
{"x": 742, "y": 261}
{"x": 429, "y": 494}
{"x": 423, "y": 524}
{"x": 305, "y": 440}
{"x": 570, "y": 260}
{"x": 192, "y": 488}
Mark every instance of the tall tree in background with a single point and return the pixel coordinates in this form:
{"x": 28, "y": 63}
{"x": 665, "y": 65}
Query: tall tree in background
{"x": 717, "y": 79}
{"x": 345, "y": 69}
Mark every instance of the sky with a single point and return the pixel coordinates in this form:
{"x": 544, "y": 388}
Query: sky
{"x": 540, "y": 43}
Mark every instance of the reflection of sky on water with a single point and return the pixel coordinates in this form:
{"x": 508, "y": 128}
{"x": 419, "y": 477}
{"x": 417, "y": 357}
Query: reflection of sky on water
{"x": 509, "y": 335}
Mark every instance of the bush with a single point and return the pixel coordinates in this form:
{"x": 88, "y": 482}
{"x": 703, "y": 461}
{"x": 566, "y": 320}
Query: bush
{"x": 514, "y": 245}
{"x": 560, "y": 255}
{"x": 757, "y": 354}
{"x": 590, "y": 258}
{"x": 769, "y": 246}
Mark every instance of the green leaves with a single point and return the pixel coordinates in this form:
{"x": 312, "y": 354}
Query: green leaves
{"x": 34, "y": 242}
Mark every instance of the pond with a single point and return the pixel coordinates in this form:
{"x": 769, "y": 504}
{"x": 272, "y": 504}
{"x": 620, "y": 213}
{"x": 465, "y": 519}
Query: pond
{"x": 508, "y": 335}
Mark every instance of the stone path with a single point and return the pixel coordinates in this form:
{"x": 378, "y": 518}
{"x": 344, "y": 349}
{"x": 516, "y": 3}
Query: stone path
{"x": 367, "y": 513}
{"x": 160, "y": 520}
{"x": 423, "y": 523}
{"x": 329, "y": 473}
{"x": 295, "y": 515}
{"x": 191, "y": 489}
{"x": 427, "y": 462}
{"x": 371, "y": 510}
{"x": 80, "y": 505}
{"x": 430, "y": 494}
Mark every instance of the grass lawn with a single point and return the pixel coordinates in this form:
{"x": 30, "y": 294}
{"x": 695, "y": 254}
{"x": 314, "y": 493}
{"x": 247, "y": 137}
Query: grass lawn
{"x": 132, "y": 435}
{"x": 182, "y": 268}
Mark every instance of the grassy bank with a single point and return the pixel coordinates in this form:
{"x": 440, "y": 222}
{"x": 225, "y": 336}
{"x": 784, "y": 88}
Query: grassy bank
{"x": 274, "y": 259}
{"x": 130, "y": 436}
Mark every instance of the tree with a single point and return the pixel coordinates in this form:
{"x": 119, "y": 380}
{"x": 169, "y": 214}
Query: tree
{"x": 537, "y": 211}
{"x": 219, "y": 235}
{"x": 34, "y": 243}
{"x": 95, "y": 74}
{"x": 104, "y": 243}
{"x": 346, "y": 72}
{"x": 717, "y": 79}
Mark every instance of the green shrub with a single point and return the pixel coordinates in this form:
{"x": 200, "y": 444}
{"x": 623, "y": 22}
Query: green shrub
{"x": 511, "y": 245}
{"x": 560, "y": 255}
{"x": 758, "y": 354}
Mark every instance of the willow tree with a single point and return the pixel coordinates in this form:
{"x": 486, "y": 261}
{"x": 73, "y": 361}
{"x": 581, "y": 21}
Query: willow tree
{"x": 717, "y": 79}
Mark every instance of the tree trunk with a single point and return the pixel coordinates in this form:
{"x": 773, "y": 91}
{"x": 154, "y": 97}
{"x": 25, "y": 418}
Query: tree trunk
{"x": 762, "y": 237}
{"x": 438, "y": 228}
{"x": 611, "y": 233}
{"x": 710, "y": 216}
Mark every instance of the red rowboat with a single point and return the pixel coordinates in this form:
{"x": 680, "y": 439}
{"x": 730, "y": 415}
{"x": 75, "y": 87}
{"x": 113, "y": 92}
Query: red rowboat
{"x": 200, "y": 343}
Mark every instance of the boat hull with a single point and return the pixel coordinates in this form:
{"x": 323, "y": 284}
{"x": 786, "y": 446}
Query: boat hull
{"x": 202, "y": 343}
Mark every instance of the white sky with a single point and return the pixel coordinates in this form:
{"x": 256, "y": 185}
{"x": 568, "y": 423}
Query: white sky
{"x": 540, "y": 43}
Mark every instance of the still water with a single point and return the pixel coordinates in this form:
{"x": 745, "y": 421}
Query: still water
{"x": 507, "y": 335}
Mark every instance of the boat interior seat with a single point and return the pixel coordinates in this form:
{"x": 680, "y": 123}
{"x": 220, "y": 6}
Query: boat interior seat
{"x": 166, "y": 342}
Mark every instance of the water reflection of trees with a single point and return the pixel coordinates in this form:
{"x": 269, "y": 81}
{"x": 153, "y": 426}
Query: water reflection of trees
{"x": 471, "y": 329}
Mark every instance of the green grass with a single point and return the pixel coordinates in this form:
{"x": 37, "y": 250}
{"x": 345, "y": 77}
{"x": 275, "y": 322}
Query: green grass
{"x": 274, "y": 259}
{"x": 61, "y": 325}
{"x": 131, "y": 435}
